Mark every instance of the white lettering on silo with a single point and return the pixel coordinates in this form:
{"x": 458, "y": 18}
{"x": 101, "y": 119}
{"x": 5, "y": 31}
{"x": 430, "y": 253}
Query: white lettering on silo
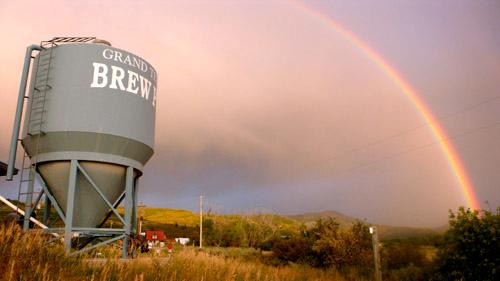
{"x": 154, "y": 96}
{"x": 145, "y": 87}
{"x": 136, "y": 63}
{"x": 132, "y": 82}
{"x": 117, "y": 75}
{"x": 125, "y": 58}
{"x": 144, "y": 66}
{"x": 100, "y": 71}
{"x": 118, "y": 57}
{"x": 110, "y": 52}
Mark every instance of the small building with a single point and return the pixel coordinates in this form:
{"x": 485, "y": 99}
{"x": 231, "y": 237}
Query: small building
{"x": 182, "y": 240}
{"x": 155, "y": 236}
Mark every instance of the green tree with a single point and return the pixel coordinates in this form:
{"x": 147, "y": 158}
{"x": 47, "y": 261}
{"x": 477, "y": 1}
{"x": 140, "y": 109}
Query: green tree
{"x": 342, "y": 248}
{"x": 296, "y": 248}
{"x": 471, "y": 247}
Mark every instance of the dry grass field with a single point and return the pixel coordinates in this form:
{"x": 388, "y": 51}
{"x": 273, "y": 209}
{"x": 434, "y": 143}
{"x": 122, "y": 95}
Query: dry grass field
{"x": 25, "y": 256}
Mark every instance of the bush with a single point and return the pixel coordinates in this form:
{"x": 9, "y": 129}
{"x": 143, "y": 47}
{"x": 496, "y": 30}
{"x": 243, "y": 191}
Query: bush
{"x": 342, "y": 249}
{"x": 326, "y": 246}
{"x": 402, "y": 254}
{"x": 471, "y": 247}
{"x": 294, "y": 249}
{"x": 407, "y": 273}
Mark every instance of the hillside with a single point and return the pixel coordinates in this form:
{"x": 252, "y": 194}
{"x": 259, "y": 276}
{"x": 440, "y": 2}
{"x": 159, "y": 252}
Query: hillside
{"x": 177, "y": 221}
{"x": 169, "y": 216}
{"x": 184, "y": 223}
{"x": 309, "y": 218}
{"x": 345, "y": 221}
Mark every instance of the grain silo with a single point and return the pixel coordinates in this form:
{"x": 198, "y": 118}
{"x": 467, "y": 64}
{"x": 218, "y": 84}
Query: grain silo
{"x": 88, "y": 131}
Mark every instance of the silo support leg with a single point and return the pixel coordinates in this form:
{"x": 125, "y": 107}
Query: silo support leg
{"x": 69, "y": 207}
{"x": 129, "y": 202}
{"x": 30, "y": 205}
{"x": 134, "y": 208}
{"x": 46, "y": 211}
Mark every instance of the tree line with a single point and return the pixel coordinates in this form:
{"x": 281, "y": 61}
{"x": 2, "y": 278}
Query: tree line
{"x": 468, "y": 250}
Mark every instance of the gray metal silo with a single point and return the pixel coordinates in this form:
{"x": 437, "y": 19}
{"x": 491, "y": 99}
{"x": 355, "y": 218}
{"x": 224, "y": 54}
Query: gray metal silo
{"x": 88, "y": 132}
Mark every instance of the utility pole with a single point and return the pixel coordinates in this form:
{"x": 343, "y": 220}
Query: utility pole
{"x": 141, "y": 214}
{"x": 201, "y": 221}
{"x": 376, "y": 253}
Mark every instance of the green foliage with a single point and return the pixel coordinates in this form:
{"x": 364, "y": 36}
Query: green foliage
{"x": 342, "y": 248}
{"x": 296, "y": 249}
{"x": 325, "y": 245}
{"x": 407, "y": 273}
{"x": 471, "y": 246}
{"x": 399, "y": 255}
{"x": 244, "y": 230}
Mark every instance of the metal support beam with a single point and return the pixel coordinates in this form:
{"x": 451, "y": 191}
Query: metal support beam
{"x": 134, "y": 206}
{"x": 98, "y": 245}
{"x": 29, "y": 199}
{"x": 35, "y": 203}
{"x": 115, "y": 205}
{"x": 46, "y": 210}
{"x": 129, "y": 193}
{"x": 128, "y": 198}
{"x": 19, "y": 110}
{"x": 98, "y": 190}
{"x": 14, "y": 207}
{"x": 86, "y": 231}
{"x": 68, "y": 223}
{"x": 53, "y": 201}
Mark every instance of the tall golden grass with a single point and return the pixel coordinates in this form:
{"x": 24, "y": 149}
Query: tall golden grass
{"x": 26, "y": 256}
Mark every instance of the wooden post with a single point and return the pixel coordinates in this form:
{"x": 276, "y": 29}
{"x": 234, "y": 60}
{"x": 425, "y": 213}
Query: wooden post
{"x": 376, "y": 253}
{"x": 201, "y": 221}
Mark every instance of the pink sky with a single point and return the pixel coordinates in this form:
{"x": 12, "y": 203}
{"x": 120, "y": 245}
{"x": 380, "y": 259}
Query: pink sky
{"x": 260, "y": 105}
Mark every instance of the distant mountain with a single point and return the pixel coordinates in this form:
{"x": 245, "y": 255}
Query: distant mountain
{"x": 310, "y": 218}
{"x": 345, "y": 221}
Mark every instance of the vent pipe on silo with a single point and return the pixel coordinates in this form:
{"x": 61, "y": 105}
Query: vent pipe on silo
{"x": 19, "y": 110}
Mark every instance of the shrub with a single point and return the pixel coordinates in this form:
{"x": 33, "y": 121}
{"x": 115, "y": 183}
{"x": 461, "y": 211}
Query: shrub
{"x": 471, "y": 247}
{"x": 342, "y": 248}
{"x": 402, "y": 254}
{"x": 296, "y": 248}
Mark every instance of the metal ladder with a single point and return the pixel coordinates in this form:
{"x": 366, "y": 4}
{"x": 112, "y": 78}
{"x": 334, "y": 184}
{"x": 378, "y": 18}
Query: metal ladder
{"x": 36, "y": 112}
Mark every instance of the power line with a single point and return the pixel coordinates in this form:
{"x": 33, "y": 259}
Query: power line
{"x": 395, "y": 155}
{"x": 424, "y": 125}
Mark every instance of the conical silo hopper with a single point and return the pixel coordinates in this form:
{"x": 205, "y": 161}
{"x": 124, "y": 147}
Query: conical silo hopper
{"x": 98, "y": 108}
{"x": 89, "y": 207}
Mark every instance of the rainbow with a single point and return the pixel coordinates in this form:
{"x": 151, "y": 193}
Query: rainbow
{"x": 446, "y": 146}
